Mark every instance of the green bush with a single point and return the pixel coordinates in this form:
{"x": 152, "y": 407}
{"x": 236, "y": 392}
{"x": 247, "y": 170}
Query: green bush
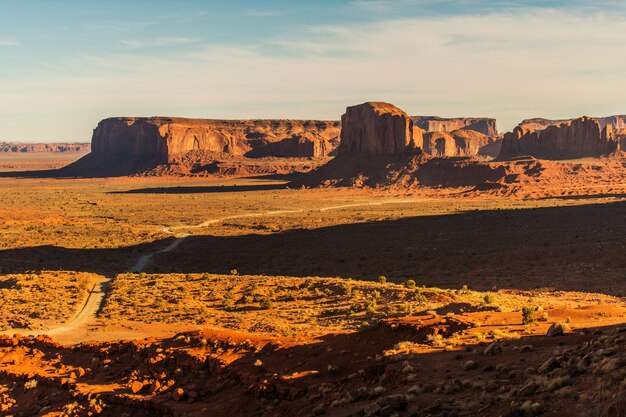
{"x": 410, "y": 284}
{"x": 267, "y": 303}
{"x": 528, "y": 315}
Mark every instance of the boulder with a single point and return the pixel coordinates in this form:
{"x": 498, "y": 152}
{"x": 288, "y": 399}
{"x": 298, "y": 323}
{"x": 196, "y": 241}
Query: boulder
{"x": 376, "y": 128}
{"x": 579, "y": 138}
{"x": 558, "y": 329}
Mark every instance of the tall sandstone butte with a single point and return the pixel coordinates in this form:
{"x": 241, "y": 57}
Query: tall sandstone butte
{"x": 578, "y": 138}
{"x": 483, "y": 125}
{"x": 377, "y": 128}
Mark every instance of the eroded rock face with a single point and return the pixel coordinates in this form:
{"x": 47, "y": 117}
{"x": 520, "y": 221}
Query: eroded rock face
{"x": 439, "y": 144}
{"x": 460, "y": 143}
{"x": 167, "y": 139}
{"x": 377, "y": 128}
{"x": 579, "y": 138}
{"x": 483, "y": 125}
{"x": 618, "y": 122}
{"x": 12, "y": 147}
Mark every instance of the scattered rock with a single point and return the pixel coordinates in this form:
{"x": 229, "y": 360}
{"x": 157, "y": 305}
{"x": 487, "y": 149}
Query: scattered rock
{"x": 558, "y": 329}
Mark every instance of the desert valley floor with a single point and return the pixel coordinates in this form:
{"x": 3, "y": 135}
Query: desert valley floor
{"x": 247, "y": 296}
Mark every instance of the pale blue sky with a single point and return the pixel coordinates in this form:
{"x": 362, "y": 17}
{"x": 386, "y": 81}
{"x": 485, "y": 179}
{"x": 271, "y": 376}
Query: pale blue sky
{"x": 64, "y": 65}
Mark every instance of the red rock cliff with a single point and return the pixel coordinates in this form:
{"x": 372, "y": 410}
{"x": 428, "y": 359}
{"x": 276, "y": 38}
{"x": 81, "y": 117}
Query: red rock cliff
{"x": 460, "y": 143}
{"x": 165, "y": 139}
{"x": 578, "y": 138}
{"x": 482, "y": 125}
{"x": 377, "y": 129}
{"x": 617, "y": 122}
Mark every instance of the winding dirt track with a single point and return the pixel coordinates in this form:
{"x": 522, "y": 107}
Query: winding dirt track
{"x": 96, "y": 297}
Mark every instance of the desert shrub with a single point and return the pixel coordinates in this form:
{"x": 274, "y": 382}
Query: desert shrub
{"x": 382, "y": 279}
{"x": 234, "y": 272}
{"x": 410, "y": 284}
{"x": 375, "y": 295}
{"x": 158, "y": 302}
{"x": 266, "y": 303}
{"x": 558, "y": 382}
{"x": 418, "y": 297}
{"x": 227, "y": 301}
{"x": 528, "y": 315}
{"x": 84, "y": 285}
{"x": 488, "y": 299}
{"x": 356, "y": 308}
{"x": 370, "y": 306}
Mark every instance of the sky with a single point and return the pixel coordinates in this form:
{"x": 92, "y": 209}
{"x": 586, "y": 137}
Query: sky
{"x": 66, "y": 64}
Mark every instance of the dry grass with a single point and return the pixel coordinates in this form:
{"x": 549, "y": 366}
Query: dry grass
{"x": 91, "y": 213}
{"x": 290, "y": 306}
{"x": 40, "y": 300}
{"x": 277, "y": 305}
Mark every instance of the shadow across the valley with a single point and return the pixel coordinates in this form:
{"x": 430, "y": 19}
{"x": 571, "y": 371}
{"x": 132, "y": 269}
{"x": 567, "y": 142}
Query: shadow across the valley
{"x": 585, "y": 197}
{"x": 44, "y": 173}
{"x": 205, "y": 189}
{"x": 104, "y": 261}
{"x": 566, "y": 248}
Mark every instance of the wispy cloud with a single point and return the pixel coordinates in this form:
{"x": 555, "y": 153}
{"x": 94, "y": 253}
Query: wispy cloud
{"x": 509, "y": 64}
{"x": 8, "y": 42}
{"x": 261, "y": 13}
{"x": 449, "y": 7}
{"x": 159, "y": 42}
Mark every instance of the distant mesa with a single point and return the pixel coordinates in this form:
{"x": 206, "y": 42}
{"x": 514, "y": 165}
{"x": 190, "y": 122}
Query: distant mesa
{"x": 180, "y": 146}
{"x": 17, "y": 147}
{"x": 128, "y": 145}
{"x": 375, "y": 143}
{"x": 584, "y": 137}
{"x": 618, "y": 122}
{"x": 483, "y": 125}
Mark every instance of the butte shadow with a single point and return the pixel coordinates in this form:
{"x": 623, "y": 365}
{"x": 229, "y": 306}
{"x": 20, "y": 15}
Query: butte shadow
{"x": 567, "y": 248}
{"x": 204, "y": 189}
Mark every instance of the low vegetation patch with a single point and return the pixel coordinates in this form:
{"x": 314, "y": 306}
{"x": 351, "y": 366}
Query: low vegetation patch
{"x": 35, "y": 301}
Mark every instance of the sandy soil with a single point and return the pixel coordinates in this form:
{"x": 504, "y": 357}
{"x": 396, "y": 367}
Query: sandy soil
{"x": 245, "y": 297}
